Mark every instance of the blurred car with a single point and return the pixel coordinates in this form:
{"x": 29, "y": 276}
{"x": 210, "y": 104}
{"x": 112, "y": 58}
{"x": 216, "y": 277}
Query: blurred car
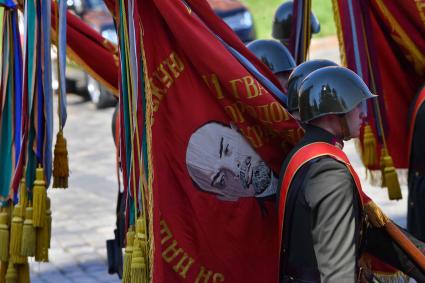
{"x": 95, "y": 13}
{"x": 237, "y": 16}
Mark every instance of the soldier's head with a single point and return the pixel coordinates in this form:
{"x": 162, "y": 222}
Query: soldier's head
{"x": 275, "y": 56}
{"x": 334, "y": 98}
{"x": 282, "y": 22}
{"x": 220, "y": 161}
{"x": 297, "y": 76}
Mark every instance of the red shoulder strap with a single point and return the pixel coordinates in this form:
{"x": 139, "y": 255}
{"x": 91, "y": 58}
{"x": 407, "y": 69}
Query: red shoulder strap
{"x": 301, "y": 157}
{"x": 418, "y": 104}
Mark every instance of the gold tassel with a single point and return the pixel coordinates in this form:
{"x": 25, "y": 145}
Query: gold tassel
{"x": 23, "y": 195}
{"x": 126, "y": 276}
{"x": 384, "y": 163}
{"x": 60, "y": 163}
{"x": 24, "y": 273}
{"x": 11, "y": 275}
{"x": 4, "y": 236}
{"x": 43, "y": 236}
{"x": 3, "y": 270}
{"x": 375, "y": 215}
{"x": 28, "y": 234}
{"x": 369, "y": 147}
{"x": 39, "y": 198}
{"x": 16, "y": 235}
{"x": 48, "y": 221}
{"x": 389, "y": 176}
{"x": 138, "y": 265}
{"x": 42, "y": 243}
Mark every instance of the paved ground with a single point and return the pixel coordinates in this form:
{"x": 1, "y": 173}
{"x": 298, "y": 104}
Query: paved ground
{"x": 83, "y": 216}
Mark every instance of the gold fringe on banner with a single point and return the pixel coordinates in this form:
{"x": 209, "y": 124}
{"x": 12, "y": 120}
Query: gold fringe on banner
{"x": 39, "y": 198}
{"x": 369, "y": 155}
{"x": 126, "y": 276}
{"x": 375, "y": 215}
{"x": 28, "y": 234}
{"x": 397, "y": 277}
{"x": 4, "y": 236}
{"x": 384, "y": 277}
{"x": 60, "y": 162}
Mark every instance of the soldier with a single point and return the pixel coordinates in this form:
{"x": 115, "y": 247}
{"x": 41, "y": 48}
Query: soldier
{"x": 296, "y": 78}
{"x": 282, "y": 23}
{"x": 275, "y": 56}
{"x": 321, "y": 205}
{"x": 416, "y": 176}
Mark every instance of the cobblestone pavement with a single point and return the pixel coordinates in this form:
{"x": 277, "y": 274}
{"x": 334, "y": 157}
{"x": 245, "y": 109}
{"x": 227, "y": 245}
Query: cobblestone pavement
{"x": 83, "y": 215}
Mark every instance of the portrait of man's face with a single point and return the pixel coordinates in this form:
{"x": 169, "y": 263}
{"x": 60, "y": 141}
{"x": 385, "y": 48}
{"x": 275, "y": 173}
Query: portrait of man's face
{"x": 220, "y": 161}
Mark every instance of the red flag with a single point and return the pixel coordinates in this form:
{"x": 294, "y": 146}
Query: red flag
{"x": 218, "y": 140}
{"x": 383, "y": 42}
{"x": 83, "y": 42}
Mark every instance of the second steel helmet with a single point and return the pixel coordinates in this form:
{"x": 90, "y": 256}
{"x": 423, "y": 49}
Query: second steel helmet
{"x": 282, "y": 22}
{"x": 274, "y": 54}
{"x": 298, "y": 75}
{"x": 331, "y": 90}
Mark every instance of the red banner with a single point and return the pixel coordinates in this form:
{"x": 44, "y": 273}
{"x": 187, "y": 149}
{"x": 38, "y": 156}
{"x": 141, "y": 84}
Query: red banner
{"x": 383, "y": 42}
{"x": 218, "y": 140}
{"x": 83, "y": 42}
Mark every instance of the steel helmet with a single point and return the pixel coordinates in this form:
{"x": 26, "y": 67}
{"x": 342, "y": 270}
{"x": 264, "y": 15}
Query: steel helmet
{"x": 274, "y": 54}
{"x": 282, "y": 22}
{"x": 331, "y": 90}
{"x": 298, "y": 75}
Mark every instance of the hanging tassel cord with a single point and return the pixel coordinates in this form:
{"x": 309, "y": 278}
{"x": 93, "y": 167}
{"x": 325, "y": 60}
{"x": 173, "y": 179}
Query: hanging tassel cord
{"x": 4, "y": 236}
{"x": 390, "y": 178}
{"x": 139, "y": 271}
{"x": 135, "y": 269}
{"x": 11, "y": 274}
{"x": 128, "y": 255}
{"x": 28, "y": 234}
{"x": 369, "y": 156}
{"x": 60, "y": 160}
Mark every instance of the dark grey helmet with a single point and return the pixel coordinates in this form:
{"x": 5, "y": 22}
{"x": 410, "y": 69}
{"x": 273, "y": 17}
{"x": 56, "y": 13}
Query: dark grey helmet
{"x": 298, "y": 75}
{"x": 274, "y": 54}
{"x": 282, "y": 22}
{"x": 331, "y": 90}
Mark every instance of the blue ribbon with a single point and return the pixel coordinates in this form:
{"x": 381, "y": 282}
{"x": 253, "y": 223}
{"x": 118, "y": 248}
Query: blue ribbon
{"x": 17, "y": 51}
{"x": 9, "y": 4}
{"x": 6, "y": 120}
{"x": 39, "y": 94}
{"x": 62, "y": 59}
{"x": 47, "y": 87}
